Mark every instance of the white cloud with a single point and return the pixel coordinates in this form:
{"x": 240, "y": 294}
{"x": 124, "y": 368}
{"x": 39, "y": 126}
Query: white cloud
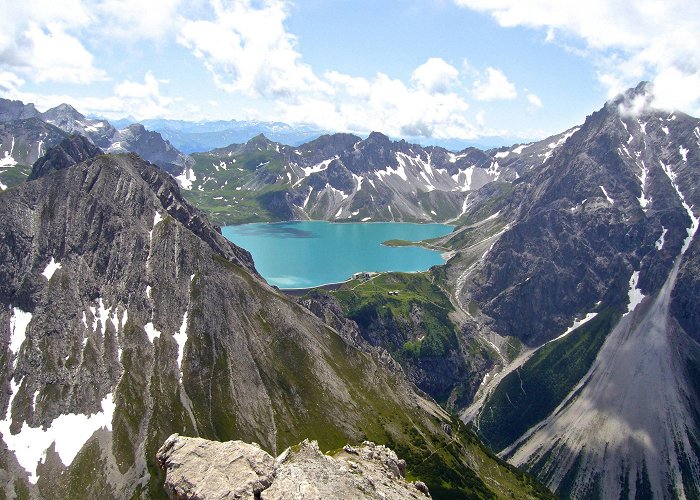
{"x": 9, "y": 82}
{"x": 627, "y": 41}
{"x": 534, "y": 100}
{"x": 247, "y": 49}
{"x": 435, "y": 76}
{"x": 37, "y": 42}
{"x": 135, "y": 99}
{"x": 138, "y": 19}
{"x": 494, "y": 86}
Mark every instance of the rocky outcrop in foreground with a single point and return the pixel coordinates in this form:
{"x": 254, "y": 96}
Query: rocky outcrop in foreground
{"x": 209, "y": 470}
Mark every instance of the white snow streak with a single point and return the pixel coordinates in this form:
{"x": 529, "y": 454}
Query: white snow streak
{"x": 51, "y": 268}
{"x": 695, "y": 221}
{"x": 181, "y": 338}
{"x": 635, "y": 294}
{"x": 662, "y": 239}
{"x": 610, "y": 200}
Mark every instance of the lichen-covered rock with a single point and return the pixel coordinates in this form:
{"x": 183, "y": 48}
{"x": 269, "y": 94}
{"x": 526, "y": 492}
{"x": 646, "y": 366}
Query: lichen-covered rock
{"x": 209, "y": 470}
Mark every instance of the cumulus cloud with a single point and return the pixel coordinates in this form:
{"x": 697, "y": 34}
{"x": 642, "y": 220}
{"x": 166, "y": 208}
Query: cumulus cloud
{"x": 435, "y": 75}
{"x": 37, "y": 42}
{"x": 628, "y": 41}
{"x": 493, "y": 85}
{"x": 248, "y": 49}
{"x": 9, "y": 82}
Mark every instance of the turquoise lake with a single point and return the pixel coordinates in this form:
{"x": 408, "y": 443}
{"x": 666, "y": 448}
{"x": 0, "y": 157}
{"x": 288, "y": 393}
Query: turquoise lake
{"x": 304, "y": 254}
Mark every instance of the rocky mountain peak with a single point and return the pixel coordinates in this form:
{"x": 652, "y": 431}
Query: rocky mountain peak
{"x": 62, "y": 111}
{"x": 16, "y": 110}
{"x": 71, "y": 151}
{"x": 633, "y": 101}
{"x": 378, "y": 137}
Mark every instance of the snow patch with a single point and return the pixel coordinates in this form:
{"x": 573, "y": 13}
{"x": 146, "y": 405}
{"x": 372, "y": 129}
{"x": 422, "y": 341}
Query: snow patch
{"x": 467, "y": 176}
{"x": 400, "y": 171}
{"x": 684, "y": 153}
{"x": 635, "y": 294}
{"x": 519, "y": 149}
{"x": 563, "y": 138}
{"x": 51, "y": 268}
{"x": 319, "y": 167}
{"x": 502, "y": 154}
{"x": 68, "y": 433}
{"x": 7, "y": 161}
{"x": 19, "y": 321}
{"x": 186, "y": 178}
{"x": 366, "y": 219}
{"x": 181, "y": 338}
{"x": 610, "y": 200}
{"x": 662, "y": 239}
{"x": 575, "y": 325}
{"x": 151, "y": 332}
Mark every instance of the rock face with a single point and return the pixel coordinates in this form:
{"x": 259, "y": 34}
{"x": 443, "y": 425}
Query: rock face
{"x": 22, "y": 142}
{"x": 70, "y": 151}
{"x": 590, "y": 261}
{"x": 150, "y": 146}
{"x": 206, "y": 470}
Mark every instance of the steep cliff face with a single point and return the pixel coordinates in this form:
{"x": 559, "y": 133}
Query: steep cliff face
{"x": 126, "y": 316}
{"x": 589, "y": 261}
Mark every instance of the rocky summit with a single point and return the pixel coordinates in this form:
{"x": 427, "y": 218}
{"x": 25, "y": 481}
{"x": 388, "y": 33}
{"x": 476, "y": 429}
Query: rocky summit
{"x": 206, "y": 470}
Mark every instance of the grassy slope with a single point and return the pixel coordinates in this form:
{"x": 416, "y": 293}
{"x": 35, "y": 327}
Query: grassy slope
{"x": 235, "y": 203}
{"x": 364, "y": 301}
{"x": 527, "y": 395}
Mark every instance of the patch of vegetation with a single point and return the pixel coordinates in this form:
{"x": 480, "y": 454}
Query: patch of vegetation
{"x": 13, "y": 176}
{"x": 530, "y": 393}
{"x": 411, "y": 303}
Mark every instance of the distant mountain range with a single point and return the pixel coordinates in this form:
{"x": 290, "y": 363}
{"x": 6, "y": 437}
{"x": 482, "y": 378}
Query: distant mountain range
{"x": 201, "y": 136}
{"x": 26, "y": 134}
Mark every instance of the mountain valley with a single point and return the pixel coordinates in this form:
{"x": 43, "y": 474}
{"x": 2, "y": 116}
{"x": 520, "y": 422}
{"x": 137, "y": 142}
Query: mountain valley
{"x": 562, "y": 330}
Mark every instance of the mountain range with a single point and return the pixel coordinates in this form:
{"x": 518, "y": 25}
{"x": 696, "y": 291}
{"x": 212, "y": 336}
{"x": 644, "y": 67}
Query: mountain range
{"x": 563, "y": 328}
{"x": 26, "y": 134}
{"x": 128, "y": 317}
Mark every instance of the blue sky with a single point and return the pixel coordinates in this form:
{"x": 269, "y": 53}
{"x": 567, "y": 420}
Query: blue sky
{"x": 430, "y": 70}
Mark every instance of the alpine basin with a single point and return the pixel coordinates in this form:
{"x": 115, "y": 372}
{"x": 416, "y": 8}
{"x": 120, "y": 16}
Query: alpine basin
{"x": 305, "y": 254}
